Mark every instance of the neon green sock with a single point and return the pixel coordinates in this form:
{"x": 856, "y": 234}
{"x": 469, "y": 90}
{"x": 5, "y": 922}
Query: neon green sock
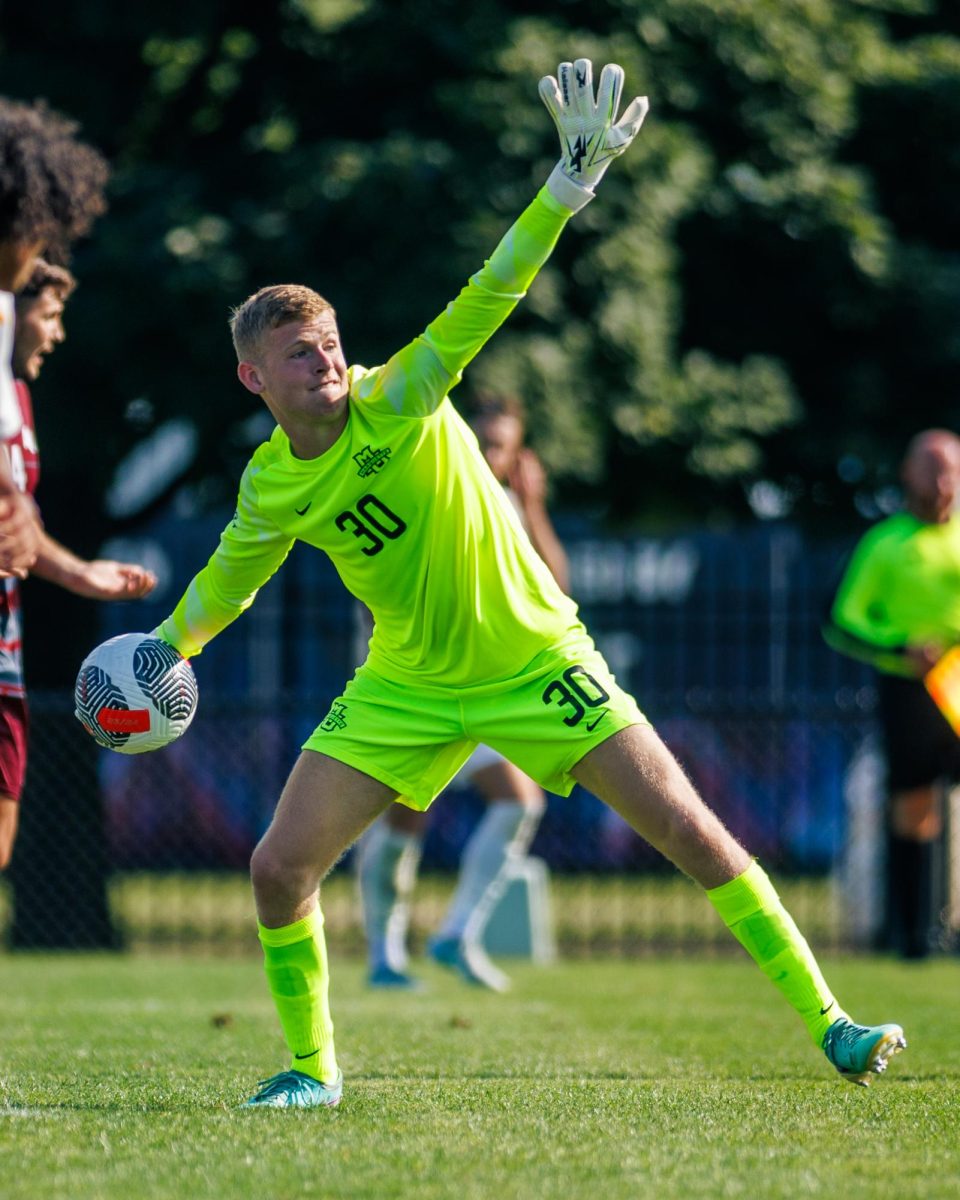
{"x": 295, "y": 959}
{"x": 754, "y": 914}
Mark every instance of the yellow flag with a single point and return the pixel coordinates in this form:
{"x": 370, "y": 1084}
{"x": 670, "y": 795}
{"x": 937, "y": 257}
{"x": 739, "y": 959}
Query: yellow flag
{"x": 943, "y": 684}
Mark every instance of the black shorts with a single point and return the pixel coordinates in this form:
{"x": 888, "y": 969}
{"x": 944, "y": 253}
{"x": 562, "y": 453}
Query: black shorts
{"x": 920, "y": 743}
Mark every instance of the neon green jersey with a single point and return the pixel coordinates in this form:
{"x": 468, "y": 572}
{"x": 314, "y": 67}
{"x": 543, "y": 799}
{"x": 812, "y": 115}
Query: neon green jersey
{"x": 901, "y": 588}
{"x": 405, "y": 506}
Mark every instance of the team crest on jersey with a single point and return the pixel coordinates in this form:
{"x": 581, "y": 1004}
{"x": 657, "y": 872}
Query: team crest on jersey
{"x": 335, "y": 718}
{"x": 371, "y": 461}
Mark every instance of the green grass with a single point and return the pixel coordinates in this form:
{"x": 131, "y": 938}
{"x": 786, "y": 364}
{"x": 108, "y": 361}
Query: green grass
{"x": 120, "y": 1077}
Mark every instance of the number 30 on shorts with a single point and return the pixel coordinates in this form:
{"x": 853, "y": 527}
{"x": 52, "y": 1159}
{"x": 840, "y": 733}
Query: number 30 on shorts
{"x": 577, "y": 690}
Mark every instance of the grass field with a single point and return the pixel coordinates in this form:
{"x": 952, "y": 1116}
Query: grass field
{"x": 121, "y": 1077}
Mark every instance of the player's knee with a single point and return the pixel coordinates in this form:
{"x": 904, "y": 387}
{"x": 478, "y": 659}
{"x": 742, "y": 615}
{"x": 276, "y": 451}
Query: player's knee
{"x": 533, "y": 797}
{"x": 507, "y": 783}
{"x": 269, "y": 874}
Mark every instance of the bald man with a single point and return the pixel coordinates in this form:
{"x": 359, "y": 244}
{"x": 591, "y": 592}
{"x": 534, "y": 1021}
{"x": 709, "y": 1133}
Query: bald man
{"x": 898, "y": 608}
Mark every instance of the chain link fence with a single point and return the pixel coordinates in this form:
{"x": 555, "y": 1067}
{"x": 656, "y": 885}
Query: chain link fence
{"x": 718, "y": 636}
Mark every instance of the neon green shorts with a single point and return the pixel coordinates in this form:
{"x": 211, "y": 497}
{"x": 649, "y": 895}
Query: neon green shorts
{"x": 415, "y": 740}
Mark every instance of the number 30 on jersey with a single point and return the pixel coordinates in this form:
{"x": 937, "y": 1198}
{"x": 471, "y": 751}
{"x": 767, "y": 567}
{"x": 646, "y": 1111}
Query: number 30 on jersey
{"x": 373, "y": 523}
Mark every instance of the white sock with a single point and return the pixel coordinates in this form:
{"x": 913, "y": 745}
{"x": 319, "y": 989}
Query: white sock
{"x": 386, "y": 872}
{"x": 505, "y": 831}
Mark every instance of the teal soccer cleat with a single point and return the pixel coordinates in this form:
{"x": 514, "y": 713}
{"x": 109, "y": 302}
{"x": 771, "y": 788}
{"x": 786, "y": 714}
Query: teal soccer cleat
{"x": 293, "y": 1089}
{"x": 861, "y": 1051}
{"x": 470, "y": 961}
{"x": 384, "y": 976}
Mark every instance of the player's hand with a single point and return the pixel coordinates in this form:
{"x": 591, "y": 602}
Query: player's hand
{"x": 528, "y": 480}
{"x": 591, "y": 137}
{"x": 19, "y": 534}
{"x": 104, "y": 579}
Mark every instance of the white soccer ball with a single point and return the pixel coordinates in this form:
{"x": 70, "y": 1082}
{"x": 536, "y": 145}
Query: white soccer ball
{"x": 135, "y": 693}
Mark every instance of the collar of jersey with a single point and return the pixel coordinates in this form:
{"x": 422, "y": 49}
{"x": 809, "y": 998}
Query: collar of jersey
{"x": 336, "y": 453}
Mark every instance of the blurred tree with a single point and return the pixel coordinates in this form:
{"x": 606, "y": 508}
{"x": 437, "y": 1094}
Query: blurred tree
{"x": 762, "y": 304}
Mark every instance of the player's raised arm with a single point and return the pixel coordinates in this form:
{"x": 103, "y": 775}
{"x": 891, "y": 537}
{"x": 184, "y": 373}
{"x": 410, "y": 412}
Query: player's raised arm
{"x": 416, "y": 379}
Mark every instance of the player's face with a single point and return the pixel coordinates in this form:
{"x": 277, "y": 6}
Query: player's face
{"x": 302, "y": 374}
{"x": 931, "y": 477}
{"x": 500, "y": 440}
{"x": 39, "y": 331}
{"x": 17, "y": 260}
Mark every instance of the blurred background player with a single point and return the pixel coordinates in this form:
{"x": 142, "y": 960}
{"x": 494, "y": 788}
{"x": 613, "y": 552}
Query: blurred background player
{"x": 39, "y": 330}
{"x": 51, "y": 191}
{"x": 389, "y": 854}
{"x": 898, "y": 608}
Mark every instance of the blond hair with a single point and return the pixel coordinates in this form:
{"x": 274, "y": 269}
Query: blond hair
{"x": 270, "y": 308}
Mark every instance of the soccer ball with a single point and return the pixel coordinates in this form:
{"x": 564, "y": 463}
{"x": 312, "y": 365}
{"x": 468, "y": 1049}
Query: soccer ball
{"x": 135, "y": 693}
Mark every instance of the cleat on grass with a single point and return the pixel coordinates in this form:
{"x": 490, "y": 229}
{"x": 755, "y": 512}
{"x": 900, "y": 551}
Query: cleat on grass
{"x": 861, "y": 1051}
{"x": 384, "y": 976}
{"x": 293, "y": 1089}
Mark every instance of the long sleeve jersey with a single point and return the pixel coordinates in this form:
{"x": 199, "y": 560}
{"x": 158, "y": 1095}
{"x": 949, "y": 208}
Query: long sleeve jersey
{"x": 405, "y": 506}
{"x": 901, "y": 588}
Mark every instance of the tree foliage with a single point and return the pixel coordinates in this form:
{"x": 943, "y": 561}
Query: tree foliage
{"x": 766, "y": 290}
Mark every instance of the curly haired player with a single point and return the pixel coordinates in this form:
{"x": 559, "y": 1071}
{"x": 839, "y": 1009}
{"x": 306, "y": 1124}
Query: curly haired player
{"x": 51, "y": 190}
{"x": 39, "y": 308}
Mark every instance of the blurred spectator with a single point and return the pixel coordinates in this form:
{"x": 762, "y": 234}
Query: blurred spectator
{"x": 898, "y": 608}
{"x": 51, "y": 190}
{"x": 39, "y": 330}
{"x": 389, "y": 853}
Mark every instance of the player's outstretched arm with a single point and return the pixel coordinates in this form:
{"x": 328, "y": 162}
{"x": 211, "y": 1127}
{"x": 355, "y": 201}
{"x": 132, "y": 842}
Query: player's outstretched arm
{"x": 251, "y": 549}
{"x": 97, "y": 579}
{"x": 416, "y": 379}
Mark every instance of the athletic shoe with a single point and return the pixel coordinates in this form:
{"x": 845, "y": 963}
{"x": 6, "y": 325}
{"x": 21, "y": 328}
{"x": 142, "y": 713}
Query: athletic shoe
{"x": 860, "y": 1051}
{"x": 383, "y": 976}
{"x": 470, "y": 961}
{"x": 293, "y": 1089}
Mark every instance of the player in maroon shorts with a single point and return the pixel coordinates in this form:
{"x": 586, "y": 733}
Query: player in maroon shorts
{"x": 39, "y": 330}
{"x": 51, "y": 191}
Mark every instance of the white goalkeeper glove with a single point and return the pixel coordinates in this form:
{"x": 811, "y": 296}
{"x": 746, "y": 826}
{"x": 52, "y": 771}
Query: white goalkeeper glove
{"x": 590, "y": 135}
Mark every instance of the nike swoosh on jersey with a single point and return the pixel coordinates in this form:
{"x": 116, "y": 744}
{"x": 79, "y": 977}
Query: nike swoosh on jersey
{"x": 302, "y": 512}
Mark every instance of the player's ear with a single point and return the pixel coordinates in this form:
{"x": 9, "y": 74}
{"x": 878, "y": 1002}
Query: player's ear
{"x": 249, "y": 376}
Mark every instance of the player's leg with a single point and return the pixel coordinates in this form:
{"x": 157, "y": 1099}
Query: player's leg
{"x": 916, "y": 823}
{"x": 514, "y": 806}
{"x": 324, "y": 808}
{"x": 9, "y": 814}
{"x": 635, "y": 774}
{"x": 921, "y": 748}
{"x": 387, "y": 859}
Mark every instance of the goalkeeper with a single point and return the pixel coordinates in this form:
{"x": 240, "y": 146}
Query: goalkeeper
{"x": 473, "y": 640}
